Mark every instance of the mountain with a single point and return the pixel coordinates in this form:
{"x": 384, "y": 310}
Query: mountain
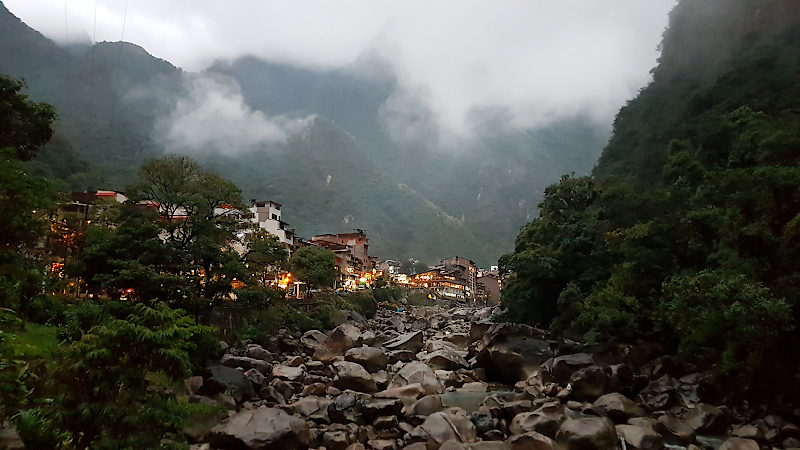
{"x": 492, "y": 182}
{"x": 687, "y": 236}
{"x": 414, "y": 196}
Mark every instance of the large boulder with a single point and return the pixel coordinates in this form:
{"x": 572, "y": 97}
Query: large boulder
{"x": 262, "y": 428}
{"x": 288, "y": 373}
{"x": 411, "y": 391}
{"x": 245, "y": 363}
{"x": 445, "y": 359}
{"x": 589, "y": 433}
{"x": 312, "y": 340}
{"x": 591, "y": 382}
{"x": 505, "y": 366}
{"x": 640, "y": 438}
{"x": 221, "y": 378}
{"x": 417, "y": 372}
{"x": 350, "y": 375}
{"x": 530, "y": 441}
{"x": 258, "y": 352}
{"x": 616, "y": 407}
{"x": 444, "y": 426}
{"x": 342, "y": 338}
{"x": 371, "y": 358}
{"x": 735, "y": 443}
{"x": 546, "y": 420}
{"x": 412, "y": 342}
{"x": 424, "y": 407}
{"x": 564, "y": 366}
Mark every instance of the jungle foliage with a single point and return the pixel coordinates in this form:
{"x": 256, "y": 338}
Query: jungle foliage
{"x": 688, "y": 232}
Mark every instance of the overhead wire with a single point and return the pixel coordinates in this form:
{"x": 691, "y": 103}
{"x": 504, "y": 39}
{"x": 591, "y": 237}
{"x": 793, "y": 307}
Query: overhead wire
{"x": 91, "y": 72}
{"x": 119, "y": 64}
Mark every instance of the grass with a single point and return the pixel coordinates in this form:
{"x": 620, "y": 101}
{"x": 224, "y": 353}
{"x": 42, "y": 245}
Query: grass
{"x": 36, "y": 341}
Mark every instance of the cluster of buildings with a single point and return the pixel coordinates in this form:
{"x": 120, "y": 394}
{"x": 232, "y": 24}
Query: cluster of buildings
{"x": 454, "y": 278}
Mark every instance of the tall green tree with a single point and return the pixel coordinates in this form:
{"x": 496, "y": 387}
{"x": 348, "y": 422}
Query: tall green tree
{"x": 25, "y": 200}
{"x": 315, "y": 266}
{"x": 264, "y": 254}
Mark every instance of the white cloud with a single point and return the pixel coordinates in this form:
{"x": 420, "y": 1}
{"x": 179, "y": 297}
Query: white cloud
{"x": 535, "y": 60}
{"x": 213, "y": 117}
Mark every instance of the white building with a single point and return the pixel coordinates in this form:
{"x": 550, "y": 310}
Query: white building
{"x": 268, "y": 217}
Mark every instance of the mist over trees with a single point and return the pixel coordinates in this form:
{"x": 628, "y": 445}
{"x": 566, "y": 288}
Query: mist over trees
{"x": 687, "y": 232}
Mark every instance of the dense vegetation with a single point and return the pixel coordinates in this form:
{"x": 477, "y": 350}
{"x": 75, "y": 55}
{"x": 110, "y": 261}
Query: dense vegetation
{"x": 99, "y": 372}
{"x": 688, "y": 233}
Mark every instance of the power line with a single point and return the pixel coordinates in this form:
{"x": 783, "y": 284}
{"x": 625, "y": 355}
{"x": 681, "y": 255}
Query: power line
{"x": 119, "y": 63}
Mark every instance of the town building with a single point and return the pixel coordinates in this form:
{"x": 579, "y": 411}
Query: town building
{"x": 356, "y": 268}
{"x": 454, "y": 278}
{"x": 267, "y": 215}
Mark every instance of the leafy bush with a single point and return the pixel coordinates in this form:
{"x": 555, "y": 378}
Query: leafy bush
{"x": 417, "y": 298}
{"x": 51, "y": 309}
{"x": 362, "y": 302}
{"x": 726, "y": 320}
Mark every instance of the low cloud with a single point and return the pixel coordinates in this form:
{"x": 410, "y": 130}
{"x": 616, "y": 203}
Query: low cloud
{"x": 212, "y": 117}
{"x": 530, "y": 61}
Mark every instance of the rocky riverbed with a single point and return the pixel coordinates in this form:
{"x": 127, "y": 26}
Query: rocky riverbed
{"x": 430, "y": 378}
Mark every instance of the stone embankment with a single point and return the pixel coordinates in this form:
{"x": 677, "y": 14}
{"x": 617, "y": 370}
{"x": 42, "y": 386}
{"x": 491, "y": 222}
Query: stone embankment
{"x": 432, "y": 378}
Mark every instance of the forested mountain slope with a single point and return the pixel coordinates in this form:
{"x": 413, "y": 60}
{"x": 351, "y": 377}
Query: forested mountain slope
{"x": 116, "y": 104}
{"x": 689, "y": 232}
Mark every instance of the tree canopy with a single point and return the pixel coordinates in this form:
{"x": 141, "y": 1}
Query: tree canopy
{"x": 314, "y": 265}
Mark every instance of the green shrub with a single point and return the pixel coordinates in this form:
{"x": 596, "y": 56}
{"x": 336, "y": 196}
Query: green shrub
{"x": 419, "y": 298}
{"x": 726, "y": 321}
{"x": 362, "y": 302}
{"x": 51, "y": 309}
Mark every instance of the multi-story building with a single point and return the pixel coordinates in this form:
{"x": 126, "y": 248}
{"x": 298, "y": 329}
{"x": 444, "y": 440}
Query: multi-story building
{"x": 268, "y": 217}
{"x": 454, "y": 278}
{"x": 353, "y": 262}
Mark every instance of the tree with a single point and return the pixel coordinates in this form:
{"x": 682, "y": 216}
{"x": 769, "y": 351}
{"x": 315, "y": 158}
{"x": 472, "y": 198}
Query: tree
{"x": 264, "y": 254}
{"x": 198, "y": 215}
{"x": 24, "y": 125}
{"x": 106, "y": 398}
{"x": 314, "y": 265}
{"x": 24, "y": 199}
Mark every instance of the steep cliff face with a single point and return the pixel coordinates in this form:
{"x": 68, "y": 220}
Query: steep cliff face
{"x": 717, "y": 56}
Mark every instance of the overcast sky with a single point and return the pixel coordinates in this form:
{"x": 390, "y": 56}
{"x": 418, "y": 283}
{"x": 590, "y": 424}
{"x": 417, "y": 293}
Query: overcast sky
{"x": 536, "y": 60}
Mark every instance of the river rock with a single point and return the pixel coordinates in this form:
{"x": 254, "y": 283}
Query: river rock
{"x": 530, "y": 441}
{"x": 408, "y": 341}
{"x": 258, "y": 352}
{"x": 222, "y": 378}
{"x": 448, "y": 425}
{"x": 245, "y": 363}
{"x": 564, "y": 366}
{"x": 287, "y": 373}
{"x": 350, "y": 375}
{"x": 589, "y": 433}
{"x": 616, "y": 407}
{"x": 414, "y": 390}
{"x": 445, "y": 359}
{"x": 342, "y": 338}
{"x": 640, "y": 438}
{"x": 371, "y": 358}
{"x": 735, "y": 443}
{"x": 335, "y": 440}
{"x": 417, "y": 372}
{"x": 262, "y": 428}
